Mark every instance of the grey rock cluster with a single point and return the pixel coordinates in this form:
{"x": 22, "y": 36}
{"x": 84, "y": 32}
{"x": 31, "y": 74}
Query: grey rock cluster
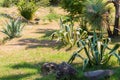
{"x": 63, "y": 71}
{"x": 98, "y": 74}
{"x": 48, "y": 68}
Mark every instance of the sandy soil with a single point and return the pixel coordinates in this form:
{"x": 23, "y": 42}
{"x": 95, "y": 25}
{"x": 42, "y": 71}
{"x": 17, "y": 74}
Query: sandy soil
{"x": 32, "y": 33}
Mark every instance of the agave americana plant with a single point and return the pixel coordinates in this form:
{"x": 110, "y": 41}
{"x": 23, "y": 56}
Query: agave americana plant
{"x": 68, "y": 35}
{"x": 96, "y": 50}
{"x": 13, "y": 29}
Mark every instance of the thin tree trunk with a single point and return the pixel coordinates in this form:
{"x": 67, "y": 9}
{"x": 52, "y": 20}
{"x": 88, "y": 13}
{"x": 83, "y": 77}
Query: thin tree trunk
{"x": 108, "y": 25}
{"x": 116, "y": 23}
{"x": 109, "y": 32}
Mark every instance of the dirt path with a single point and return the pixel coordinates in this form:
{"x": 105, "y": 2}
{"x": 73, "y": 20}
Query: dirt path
{"x": 31, "y": 37}
{"x": 32, "y": 34}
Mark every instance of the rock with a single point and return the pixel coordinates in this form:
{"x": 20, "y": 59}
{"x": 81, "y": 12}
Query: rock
{"x": 37, "y": 20}
{"x": 65, "y": 71}
{"x": 95, "y": 75}
{"x": 48, "y": 68}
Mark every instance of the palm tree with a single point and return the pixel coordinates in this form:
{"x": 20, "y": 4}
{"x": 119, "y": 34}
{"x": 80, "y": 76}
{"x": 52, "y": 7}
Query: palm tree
{"x": 117, "y": 14}
{"x": 94, "y": 13}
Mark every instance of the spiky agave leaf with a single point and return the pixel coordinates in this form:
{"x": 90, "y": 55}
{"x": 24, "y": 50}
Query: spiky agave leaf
{"x": 13, "y": 29}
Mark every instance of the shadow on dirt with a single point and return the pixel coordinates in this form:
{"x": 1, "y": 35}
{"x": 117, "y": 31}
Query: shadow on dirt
{"x": 43, "y": 41}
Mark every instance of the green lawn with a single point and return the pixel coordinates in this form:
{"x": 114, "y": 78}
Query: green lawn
{"x": 26, "y": 64}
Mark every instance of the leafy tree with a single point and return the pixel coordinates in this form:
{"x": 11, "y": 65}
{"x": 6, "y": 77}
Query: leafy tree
{"x": 74, "y": 7}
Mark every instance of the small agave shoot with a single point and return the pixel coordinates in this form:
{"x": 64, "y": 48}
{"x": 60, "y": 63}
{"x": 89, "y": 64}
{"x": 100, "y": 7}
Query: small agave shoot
{"x": 68, "y": 35}
{"x": 96, "y": 51}
{"x": 13, "y": 29}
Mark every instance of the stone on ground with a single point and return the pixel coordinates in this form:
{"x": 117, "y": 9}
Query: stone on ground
{"x": 96, "y": 75}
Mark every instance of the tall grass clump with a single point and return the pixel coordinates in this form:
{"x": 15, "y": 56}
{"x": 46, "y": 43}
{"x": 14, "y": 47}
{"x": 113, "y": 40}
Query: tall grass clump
{"x": 27, "y": 8}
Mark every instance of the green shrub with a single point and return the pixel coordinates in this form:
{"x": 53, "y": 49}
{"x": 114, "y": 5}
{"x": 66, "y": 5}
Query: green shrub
{"x": 68, "y": 35}
{"x": 95, "y": 50}
{"x": 42, "y": 2}
{"x": 54, "y": 2}
{"x": 51, "y": 17}
{"x": 15, "y": 2}
{"x": 47, "y": 2}
{"x": 6, "y": 3}
{"x": 13, "y": 29}
{"x": 74, "y": 7}
{"x": 27, "y": 8}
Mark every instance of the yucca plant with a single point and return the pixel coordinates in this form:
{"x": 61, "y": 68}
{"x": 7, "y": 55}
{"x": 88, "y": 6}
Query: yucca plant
{"x": 68, "y": 35}
{"x": 94, "y": 11}
{"x": 96, "y": 50}
{"x": 27, "y": 8}
{"x": 13, "y": 29}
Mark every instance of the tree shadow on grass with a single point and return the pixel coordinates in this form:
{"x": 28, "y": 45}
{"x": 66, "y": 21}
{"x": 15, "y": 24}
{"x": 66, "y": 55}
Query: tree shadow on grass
{"x": 36, "y": 66}
{"x": 16, "y": 77}
{"x": 24, "y": 65}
